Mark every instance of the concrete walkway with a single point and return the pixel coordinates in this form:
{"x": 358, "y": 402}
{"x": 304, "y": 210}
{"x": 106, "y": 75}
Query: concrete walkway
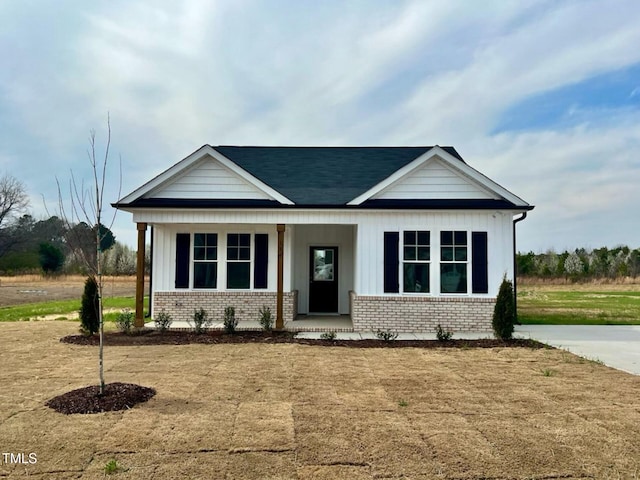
{"x": 401, "y": 336}
{"x": 618, "y": 346}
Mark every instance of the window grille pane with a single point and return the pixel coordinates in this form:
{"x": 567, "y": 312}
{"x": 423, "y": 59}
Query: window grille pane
{"x": 409, "y": 238}
{"x": 198, "y": 253}
{"x": 461, "y": 254}
{"x": 446, "y": 238}
{"x": 447, "y": 254}
{"x": 424, "y": 253}
{"x": 423, "y": 238}
{"x": 409, "y": 253}
{"x": 244, "y": 253}
{"x": 244, "y": 240}
{"x": 199, "y": 240}
{"x": 460, "y": 238}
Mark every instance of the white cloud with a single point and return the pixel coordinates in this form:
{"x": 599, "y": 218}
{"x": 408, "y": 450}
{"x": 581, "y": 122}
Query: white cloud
{"x": 177, "y": 75}
{"x": 583, "y": 182}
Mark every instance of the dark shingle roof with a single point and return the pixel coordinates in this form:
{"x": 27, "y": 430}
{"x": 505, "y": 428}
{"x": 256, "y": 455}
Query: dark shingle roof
{"x": 323, "y": 175}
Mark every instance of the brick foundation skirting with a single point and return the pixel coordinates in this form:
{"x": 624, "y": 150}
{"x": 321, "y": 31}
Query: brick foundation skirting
{"x": 181, "y": 305}
{"x": 421, "y": 314}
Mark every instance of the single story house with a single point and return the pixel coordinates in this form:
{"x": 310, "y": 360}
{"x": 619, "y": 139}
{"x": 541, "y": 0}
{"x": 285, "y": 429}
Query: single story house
{"x": 400, "y": 238}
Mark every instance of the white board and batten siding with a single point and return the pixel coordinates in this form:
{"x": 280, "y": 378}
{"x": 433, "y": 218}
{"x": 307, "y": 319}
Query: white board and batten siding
{"x": 369, "y": 250}
{"x": 208, "y": 179}
{"x": 434, "y": 180}
{"x": 359, "y": 236}
{"x": 164, "y": 258}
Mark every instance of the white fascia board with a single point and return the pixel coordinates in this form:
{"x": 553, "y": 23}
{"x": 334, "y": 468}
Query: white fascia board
{"x": 480, "y": 178}
{"x": 450, "y": 161}
{"x": 184, "y": 164}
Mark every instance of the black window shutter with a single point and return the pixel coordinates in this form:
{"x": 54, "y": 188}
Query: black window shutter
{"x": 391, "y": 244}
{"x": 479, "y": 268}
{"x": 183, "y": 246}
{"x": 261, "y": 260}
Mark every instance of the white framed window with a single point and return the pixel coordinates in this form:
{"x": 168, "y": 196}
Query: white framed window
{"x": 238, "y": 261}
{"x": 205, "y": 260}
{"x": 416, "y": 261}
{"x": 454, "y": 259}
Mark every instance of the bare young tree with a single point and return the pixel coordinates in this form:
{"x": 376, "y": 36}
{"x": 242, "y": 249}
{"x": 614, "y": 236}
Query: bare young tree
{"x": 86, "y": 206}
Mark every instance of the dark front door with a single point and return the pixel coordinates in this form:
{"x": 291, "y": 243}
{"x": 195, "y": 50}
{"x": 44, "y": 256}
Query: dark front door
{"x": 323, "y": 281}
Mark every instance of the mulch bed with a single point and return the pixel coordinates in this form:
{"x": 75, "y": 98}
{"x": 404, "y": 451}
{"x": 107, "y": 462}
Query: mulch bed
{"x": 116, "y": 396}
{"x": 150, "y": 337}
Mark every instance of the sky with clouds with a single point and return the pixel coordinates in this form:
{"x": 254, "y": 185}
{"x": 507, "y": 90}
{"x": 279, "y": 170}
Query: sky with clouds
{"x": 541, "y": 96}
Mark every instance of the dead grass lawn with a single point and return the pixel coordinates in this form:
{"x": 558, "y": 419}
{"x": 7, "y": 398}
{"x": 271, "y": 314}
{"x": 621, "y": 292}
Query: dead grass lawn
{"x": 289, "y": 411}
{"x": 21, "y": 289}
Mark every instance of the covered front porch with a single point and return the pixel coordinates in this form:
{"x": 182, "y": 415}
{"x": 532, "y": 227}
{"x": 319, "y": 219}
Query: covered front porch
{"x": 306, "y": 272}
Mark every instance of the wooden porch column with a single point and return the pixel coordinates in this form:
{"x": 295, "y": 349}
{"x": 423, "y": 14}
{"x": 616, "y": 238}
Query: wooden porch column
{"x": 139, "y": 321}
{"x": 280, "y": 295}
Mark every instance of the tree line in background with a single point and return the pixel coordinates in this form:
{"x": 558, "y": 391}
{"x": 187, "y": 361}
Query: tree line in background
{"x": 53, "y": 245}
{"x": 28, "y": 245}
{"x": 581, "y": 264}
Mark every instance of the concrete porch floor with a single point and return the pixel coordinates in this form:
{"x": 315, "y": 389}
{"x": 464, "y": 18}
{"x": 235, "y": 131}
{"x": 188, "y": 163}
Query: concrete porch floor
{"x": 303, "y": 323}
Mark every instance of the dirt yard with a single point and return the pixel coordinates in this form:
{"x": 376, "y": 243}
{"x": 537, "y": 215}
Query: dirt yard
{"x": 284, "y": 411}
{"x": 35, "y": 288}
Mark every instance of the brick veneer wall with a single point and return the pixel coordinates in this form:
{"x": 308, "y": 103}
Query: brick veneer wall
{"x": 180, "y": 305}
{"x": 421, "y": 314}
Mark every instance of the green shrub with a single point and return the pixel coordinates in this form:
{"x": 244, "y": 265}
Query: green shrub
{"x": 124, "y": 321}
{"x": 504, "y": 313}
{"x": 201, "y": 321}
{"x": 230, "y": 321}
{"x": 89, "y": 318}
{"x": 328, "y": 336}
{"x": 51, "y": 258}
{"x": 112, "y": 466}
{"x": 443, "y": 335}
{"x": 386, "y": 335}
{"x": 266, "y": 319}
{"x": 162, "y": 321}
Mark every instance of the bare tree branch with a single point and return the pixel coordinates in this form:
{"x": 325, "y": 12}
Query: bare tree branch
{"x": 13, "y": 198}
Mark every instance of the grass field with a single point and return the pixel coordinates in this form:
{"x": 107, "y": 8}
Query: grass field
{"x": 35, "y": 297}
{"x": 588, "y": 304}
{"x": 64, "y": 309}
{"x": 259, "y": 411}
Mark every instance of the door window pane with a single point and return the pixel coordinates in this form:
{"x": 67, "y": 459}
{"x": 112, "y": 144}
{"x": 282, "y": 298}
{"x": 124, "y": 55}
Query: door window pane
{"x": 323, "y": 265}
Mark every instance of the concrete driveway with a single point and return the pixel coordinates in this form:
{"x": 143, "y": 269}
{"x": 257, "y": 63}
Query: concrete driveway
{"x": 618, "y": 346}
